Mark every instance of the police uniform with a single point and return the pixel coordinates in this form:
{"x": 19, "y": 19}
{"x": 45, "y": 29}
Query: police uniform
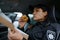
{"x": 42, "y": 31}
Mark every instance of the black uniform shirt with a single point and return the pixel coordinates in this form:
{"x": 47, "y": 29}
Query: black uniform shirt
{"x": 38, "y": 31}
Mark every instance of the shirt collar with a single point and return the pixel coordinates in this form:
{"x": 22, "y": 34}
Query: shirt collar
{"x": 44, "y": 23}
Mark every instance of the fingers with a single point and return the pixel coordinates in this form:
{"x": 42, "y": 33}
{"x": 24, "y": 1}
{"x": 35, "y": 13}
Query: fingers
{"x": 14, "y": 36}
{"x": 9, "y": 38}
{"x": 10, "y": 35}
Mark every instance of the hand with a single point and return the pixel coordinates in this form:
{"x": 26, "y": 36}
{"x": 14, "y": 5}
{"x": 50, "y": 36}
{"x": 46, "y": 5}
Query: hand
{"x": 15, "y": 36}
{"x": 22, "y": 21}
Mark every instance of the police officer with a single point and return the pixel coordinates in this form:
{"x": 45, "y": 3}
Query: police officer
{"x": 42, "y": 30}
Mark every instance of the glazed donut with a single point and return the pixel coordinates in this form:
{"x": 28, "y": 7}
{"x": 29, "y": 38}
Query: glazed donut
{"x": 24, "y": 18}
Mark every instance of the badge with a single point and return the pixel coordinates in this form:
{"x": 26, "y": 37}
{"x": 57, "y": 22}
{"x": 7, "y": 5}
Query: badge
{"x": 51, "y": 35}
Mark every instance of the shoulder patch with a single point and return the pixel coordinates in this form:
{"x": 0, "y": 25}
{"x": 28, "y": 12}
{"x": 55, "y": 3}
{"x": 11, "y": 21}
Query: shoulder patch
{"x": 50, "y": 35}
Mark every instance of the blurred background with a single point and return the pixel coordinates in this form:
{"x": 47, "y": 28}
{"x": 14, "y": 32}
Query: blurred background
{"x": 15, "y": 8}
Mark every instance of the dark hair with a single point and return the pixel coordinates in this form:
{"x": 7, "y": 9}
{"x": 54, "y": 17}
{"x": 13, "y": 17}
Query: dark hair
{"x": 42, "y": 6}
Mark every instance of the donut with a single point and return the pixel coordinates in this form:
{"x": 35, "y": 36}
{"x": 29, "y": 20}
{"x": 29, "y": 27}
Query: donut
{"x": 24, "y": 18}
